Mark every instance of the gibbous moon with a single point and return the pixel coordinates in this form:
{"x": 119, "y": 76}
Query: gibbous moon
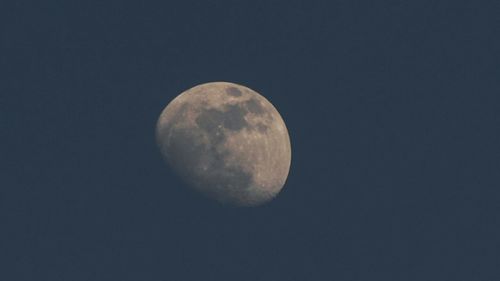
{"x": 227, "y": 142}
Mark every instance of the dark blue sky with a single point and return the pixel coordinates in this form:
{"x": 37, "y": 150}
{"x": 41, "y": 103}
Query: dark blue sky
{"x": 393, "y": 110}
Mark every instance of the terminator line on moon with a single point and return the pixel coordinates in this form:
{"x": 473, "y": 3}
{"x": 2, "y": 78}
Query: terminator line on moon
{"x": 227, "y": 142}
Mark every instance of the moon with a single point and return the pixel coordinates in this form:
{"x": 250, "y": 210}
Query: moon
{"x": 226, "y": 141}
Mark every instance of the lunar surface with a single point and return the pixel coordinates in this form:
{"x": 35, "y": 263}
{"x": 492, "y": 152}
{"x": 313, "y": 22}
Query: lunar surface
{"x": 227, "y": 142}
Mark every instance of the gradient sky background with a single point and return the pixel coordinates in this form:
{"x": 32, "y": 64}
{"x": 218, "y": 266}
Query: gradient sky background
{"x": 393, "y": 110}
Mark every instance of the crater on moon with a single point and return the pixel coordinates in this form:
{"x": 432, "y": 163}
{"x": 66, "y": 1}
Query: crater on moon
{"x": 233, "y": 91}
{"x": 254, "y": 106}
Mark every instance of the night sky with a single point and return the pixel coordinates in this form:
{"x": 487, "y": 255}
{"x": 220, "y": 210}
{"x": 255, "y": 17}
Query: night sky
{"x": 393, "y": 111}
